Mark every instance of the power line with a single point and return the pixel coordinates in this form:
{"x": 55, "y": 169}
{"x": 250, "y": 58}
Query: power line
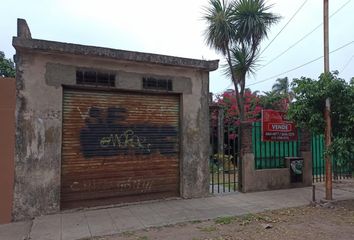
{"x": 302, "y": 65}
{"x": 297, "y": 42}
{"x": 292, "y": 17}
{"x": 346, "y": 65}
{"x": 304, "y": 37}
{"x": 293, "y": 45}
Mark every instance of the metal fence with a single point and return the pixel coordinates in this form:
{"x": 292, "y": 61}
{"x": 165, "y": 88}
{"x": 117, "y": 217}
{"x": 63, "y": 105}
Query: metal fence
{"x": 223, "y": 155}
{"x": 340, "y": 169}
{"x": 271, "y": 154}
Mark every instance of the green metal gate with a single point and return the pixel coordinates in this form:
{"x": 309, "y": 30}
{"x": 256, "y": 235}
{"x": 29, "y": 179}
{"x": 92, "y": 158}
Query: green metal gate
{"x": 271, "y": 154}
{"x": 340, "y": 169}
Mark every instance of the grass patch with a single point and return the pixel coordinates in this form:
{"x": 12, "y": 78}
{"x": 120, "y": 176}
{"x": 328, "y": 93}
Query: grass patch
{"x": 246, "y": 219}
{"x": 195, "y": 221}
{"x": 208, "y": 229}
{"x": 224, "y": 220}
{"x": 249, "y": 218}
{"x": 142, "y": 238}
{"x": 128, "y": 233}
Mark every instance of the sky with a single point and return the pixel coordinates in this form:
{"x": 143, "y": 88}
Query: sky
{"x": 176, "y": 27}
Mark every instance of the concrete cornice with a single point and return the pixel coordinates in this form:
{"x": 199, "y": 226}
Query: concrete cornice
{"x": 116, "y": 54}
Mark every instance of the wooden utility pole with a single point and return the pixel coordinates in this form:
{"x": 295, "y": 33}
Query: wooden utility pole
{"x": 327, "y": 112}
{"x": 325, "y": 35}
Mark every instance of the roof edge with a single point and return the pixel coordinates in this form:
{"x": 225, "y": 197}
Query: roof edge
{"x": 116, "y": 54}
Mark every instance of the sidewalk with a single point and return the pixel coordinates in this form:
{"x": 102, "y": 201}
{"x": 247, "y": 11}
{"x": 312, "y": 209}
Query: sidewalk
{"x": 89, "y": 223}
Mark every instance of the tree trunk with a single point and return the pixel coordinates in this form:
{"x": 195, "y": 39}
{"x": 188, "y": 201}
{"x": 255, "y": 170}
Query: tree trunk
{"x": 240, "y": 102}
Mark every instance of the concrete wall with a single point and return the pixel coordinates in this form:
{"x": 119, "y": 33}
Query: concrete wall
{"x": 40, "y": 77}
{"x": 38, "y": 140}
{"x": 270, "y": 179}
{"x": 305, "y": 152}
{"x": 7, "y": 146}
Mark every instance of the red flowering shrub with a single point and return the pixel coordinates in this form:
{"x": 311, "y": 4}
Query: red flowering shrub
{"x": 253, "y": 105}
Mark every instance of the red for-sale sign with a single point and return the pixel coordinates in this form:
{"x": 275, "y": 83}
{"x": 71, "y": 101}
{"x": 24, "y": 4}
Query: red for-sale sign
{"x": 275, "y": 128}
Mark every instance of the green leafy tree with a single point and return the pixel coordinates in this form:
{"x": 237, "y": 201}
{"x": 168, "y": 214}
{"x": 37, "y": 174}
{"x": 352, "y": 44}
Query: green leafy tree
{"x": 235, "y": 29}
{"x": 7, "y": 66}
{"x": 309, "y": 107}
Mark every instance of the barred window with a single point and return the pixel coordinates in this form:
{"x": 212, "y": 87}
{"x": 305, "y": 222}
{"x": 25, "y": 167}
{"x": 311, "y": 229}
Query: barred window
{"x": 96, "y": 78}
{"x": 157, "y": 84}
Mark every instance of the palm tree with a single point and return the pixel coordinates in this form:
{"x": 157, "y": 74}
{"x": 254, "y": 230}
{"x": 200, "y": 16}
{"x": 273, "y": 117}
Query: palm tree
{"x": 282, "y": 87}
{"x": 236, "y": 29}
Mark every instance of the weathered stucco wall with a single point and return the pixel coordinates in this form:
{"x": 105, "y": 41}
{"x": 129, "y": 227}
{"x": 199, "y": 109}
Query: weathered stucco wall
{"x": 305, "y": 152}
{"x": 195, "y": 138}
{"x": 264, "y": 179}
{"x": 38, "y": 140}
{"x": 269, "y": 179}
{"x": 40, "y": 79}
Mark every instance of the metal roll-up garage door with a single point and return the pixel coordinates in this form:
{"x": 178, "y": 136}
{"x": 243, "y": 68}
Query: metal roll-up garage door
{"x": 118, "y": 147}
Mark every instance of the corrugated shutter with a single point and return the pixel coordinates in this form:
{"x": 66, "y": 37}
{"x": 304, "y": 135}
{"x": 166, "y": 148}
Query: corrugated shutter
{"x": 118, "y": 147}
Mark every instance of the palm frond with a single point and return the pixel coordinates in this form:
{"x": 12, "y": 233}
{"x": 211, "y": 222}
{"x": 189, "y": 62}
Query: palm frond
{"x": 242, "y": 62}
{"x": 281, "y": 86}
{"x": 252, "y": 20}
{"x": 220, "y": 31}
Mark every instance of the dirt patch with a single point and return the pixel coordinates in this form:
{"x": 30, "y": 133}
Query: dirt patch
{"x": 321, "y": 221}
{"x": 345, "y": 185}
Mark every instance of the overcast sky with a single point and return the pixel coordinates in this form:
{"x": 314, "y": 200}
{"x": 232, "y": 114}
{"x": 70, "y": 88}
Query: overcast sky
{"x": 175, "y": 27}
